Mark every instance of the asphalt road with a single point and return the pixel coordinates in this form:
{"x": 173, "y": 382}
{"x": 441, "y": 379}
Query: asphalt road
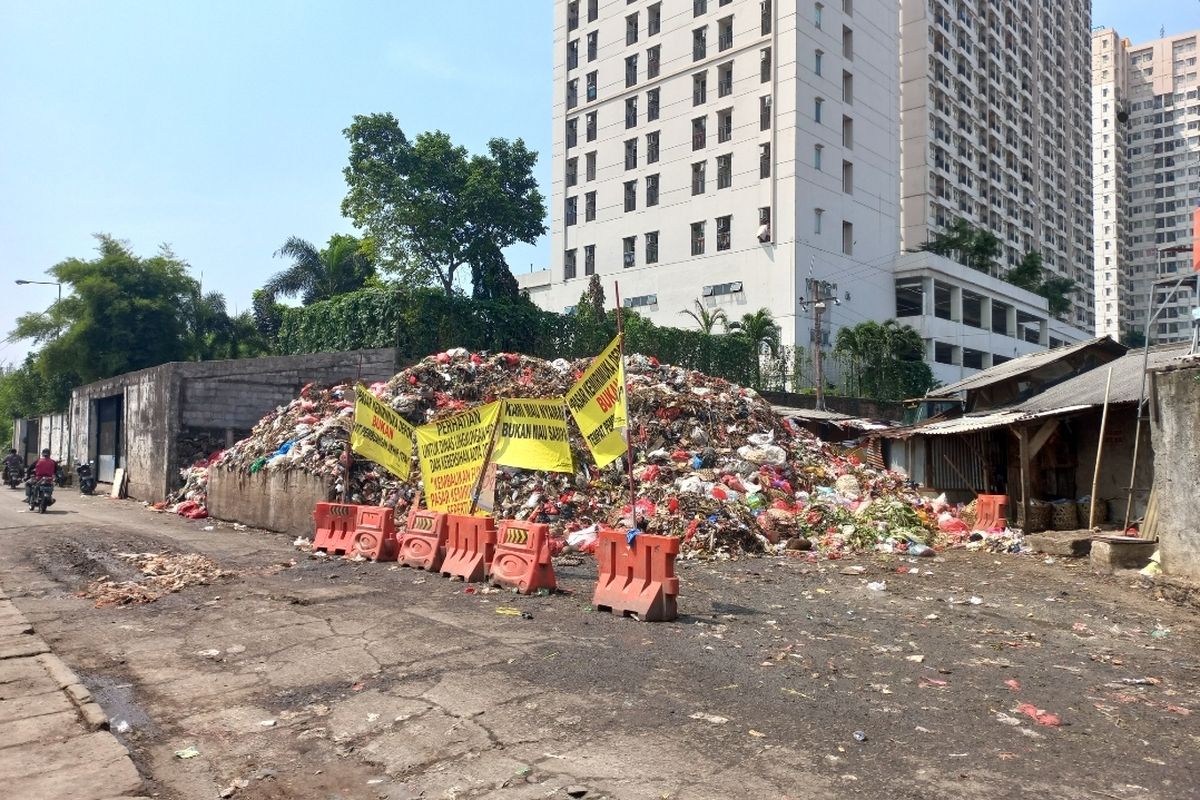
{"x": 298, "y": 677}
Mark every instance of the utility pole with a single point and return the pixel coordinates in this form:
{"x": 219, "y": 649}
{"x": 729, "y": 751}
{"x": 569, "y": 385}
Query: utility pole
{"x": 819, "y": 305}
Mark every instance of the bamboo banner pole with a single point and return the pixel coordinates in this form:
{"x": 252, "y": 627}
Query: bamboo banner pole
{"x": 1099, "y": 451}
{"x": 628, "y": 419}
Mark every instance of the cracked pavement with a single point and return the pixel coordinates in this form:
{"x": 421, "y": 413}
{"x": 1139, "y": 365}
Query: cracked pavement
{"x": 301, "y": 677}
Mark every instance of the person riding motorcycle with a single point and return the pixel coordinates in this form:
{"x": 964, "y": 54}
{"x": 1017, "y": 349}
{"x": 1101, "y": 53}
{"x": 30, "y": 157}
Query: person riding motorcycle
{"x": 46, "y": 467}
{"x": 15, "y": 464}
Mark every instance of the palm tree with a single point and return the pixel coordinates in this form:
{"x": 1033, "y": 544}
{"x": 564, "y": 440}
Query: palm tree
{"x": 761, "y": 330}
{"x": 707, "y": 320}
{"x": 345, "y": 265}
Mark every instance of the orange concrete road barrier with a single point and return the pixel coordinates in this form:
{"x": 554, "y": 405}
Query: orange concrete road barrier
{"x": 375, "y": 533}
{"x": 991, "y": 512}
{"x": 423, "y": 542}
{"x": 470, "y": 547}
{"x": 639, "y": 579}
{"x": 335, "y": 523}
{"x": 522, "y": 559}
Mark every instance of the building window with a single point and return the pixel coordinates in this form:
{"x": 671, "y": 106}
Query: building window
{"x": 652, "y": 105}
{"x": 569, "y": 265}
{"x": 697, "y": 238}
{"x": 572, "y": 132}
{"x": 653, "y": 61}
{"x": 818, "y": 216}
{"x": 651, "y": 190}
{"x": 818, "y": 103}
{"x": 589, "y": 260}
{"x": 847, "y": 43}
{"x": 699, "y": 43}
{"x": 848, "y": 8}
{"x": 943, "y": 353}
{"x": 572, "y": 15}
{"x": 572, "y": 171}
{"x": 589, "y": 206}
{"x": 847, "y": 177}
{"x": 764, "y": 160}
{"x": 654, "y": 19}
{"x": 765, "y": 14}
{"x": 699, "y": 132}
{"x": 848, "y": 238}
{"x": 631, "y": 70}
{"x": 818, "y": 151}
{"x": 569, "y": 213}
{"x": 572, "y": 54}
{"x": 591, "y": 126}
{"x": 593, "y": 45}
{"x": 591, "y": 86}
{"x": 589, "y": 161}
{"x": 724, "y": 34}
{"x": 725, "y": 79}
{"x": 631, "y": 153}
{"x": 847, "y": 132}
{"x": 724, "y": 228}
{"x": 699, "y": 88}
{"x": 818, "y": 57}
{"x": 630, "y": 112}
{"x": 764, "y": 64}
{"x": 698, "y": 177}
{"x": 652, "y": 247}
{"x": 572, "y": 93}
{"x": 764, "y": 215}
{"x": 725, "y": 125}
{"x": 847, "y": 88}
{"x": 629, "y": 250}
{"x": 593, "y": 10}
{"x": 652, "y": 147}
{"x": 631, "y": 195}
{"x": 631, "y": 29}
{"x": 818, "y": 10}
{"x": 764, "y": 113}
{"x": 725, "y": 171}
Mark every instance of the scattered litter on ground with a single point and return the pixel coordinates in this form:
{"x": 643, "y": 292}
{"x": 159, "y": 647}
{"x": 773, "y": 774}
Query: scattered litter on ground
{"x": 187, "y": 752}
{"x": 1038, "y": 715}
{"x": 164, "y": 573}
{"x": 710, "y": 718}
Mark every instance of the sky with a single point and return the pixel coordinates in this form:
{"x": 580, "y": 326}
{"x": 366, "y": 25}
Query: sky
{"x": 215, "y": 126}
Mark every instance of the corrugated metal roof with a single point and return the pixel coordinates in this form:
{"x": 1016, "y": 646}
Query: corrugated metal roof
{"x": 1019, "y": 365}
{"x": 810, "y": 413}
{"x": 1088, "y": 389}
{"x": 980, "y": 422}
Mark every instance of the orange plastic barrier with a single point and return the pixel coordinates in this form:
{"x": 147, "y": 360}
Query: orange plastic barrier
{"x": 335, "y": 523}
{"x": 991, "y": 512}
{"x": 469, "y": 548}
{"x": 638, "y": 580}
{"x": 423, "y": 542}
{"x": 522, "y": 559}
{"x": 375, "y": 533}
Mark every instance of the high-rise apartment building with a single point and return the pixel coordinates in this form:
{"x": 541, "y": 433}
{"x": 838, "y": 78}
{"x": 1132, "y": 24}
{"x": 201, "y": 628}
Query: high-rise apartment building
{"x": 995, "y": 126}
{"x": 1146, "y": 150}
{"x": 737, "y": 152}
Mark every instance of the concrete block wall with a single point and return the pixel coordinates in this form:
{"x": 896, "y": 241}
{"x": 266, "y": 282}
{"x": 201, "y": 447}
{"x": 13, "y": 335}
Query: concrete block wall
{"x": 1175, "y": 427}
{"x": 273, "y": 500}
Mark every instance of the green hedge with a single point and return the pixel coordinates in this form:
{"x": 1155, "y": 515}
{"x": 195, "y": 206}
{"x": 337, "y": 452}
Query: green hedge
{"x": 424, "y": 321}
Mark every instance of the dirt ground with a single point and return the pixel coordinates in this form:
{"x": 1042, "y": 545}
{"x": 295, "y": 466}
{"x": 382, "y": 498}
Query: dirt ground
{"x": 298, "y": 677}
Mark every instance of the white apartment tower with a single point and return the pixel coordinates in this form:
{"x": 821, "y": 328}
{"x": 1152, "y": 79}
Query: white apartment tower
{"x": 729, "y": 151}
{"x": 1146, "y": 146}
{"x": 995, "y": 127}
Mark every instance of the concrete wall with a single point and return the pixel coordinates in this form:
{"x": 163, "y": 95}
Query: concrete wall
{"x": 1175, "y": 422}
{"x": 274, "y": 500}
{"x": 53, "y": 431}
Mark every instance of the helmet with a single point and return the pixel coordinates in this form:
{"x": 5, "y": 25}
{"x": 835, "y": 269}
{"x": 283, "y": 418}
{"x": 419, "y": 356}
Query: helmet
{"x": 46, "y": 453}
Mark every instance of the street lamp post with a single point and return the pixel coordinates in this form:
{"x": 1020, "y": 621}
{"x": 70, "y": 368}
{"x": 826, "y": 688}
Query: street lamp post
{"x": 21, "y": 282}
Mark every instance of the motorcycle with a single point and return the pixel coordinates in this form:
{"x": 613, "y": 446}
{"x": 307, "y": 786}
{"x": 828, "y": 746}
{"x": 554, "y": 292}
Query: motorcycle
{"x": 41, "y": 493}
{"x": 60, "y": 476}
{"x": 87, "y": 478}
{"x": 12, "y": 475}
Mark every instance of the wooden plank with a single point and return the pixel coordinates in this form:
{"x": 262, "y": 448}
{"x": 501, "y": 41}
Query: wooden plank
{"x": 1042, "y": 436}
{"x": 1026, "y": 476}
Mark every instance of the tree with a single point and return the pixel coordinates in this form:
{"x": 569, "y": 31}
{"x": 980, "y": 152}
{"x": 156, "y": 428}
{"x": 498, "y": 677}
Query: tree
{"x": 886, "y": 360}
{"x": 762, "y": 332}
{"x": 1057, "y": 291}
{"x": 707, "y": 320}
{"x": 344, "y": 265}
{"x": 590, "y": 308}
{"x": 1133, "y": 338}
{"x": 122, "y": 313}
{"x": 1028, "y": 273}
{"x": 432, "y": 207}
{"x": 973, "y": 247}
{"x": 213, "y": 334}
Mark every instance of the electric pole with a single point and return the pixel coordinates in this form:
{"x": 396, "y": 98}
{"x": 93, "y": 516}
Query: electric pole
{"x": 819, "y": 305}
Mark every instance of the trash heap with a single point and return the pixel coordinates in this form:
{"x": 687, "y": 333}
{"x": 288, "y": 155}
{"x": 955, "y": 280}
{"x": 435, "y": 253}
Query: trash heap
{"x": 715, "y": 466}
{"x": 164, "y": 573}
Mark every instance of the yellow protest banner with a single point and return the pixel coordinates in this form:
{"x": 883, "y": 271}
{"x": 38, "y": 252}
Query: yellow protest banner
{"x": 381, "y": 434}
{"x": 533, "y": 435}
{"x": 452, "y": 453}
{"x": 597, "y": 401}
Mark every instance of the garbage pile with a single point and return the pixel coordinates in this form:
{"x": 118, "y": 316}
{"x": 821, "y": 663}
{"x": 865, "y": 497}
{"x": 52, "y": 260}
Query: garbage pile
{"x": 191, "y": 499}
{"x": 165, "y": 573}
{"x": 715, "y": 466}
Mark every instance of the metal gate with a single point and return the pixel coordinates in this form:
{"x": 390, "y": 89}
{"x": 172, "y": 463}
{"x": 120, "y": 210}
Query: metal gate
{"x": 108, "y": 437}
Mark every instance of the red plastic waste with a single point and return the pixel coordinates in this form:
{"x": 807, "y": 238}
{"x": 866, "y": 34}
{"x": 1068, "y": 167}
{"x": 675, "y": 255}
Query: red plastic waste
{"x": 470, "y": 545}
{"x": 522, "y": 559}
